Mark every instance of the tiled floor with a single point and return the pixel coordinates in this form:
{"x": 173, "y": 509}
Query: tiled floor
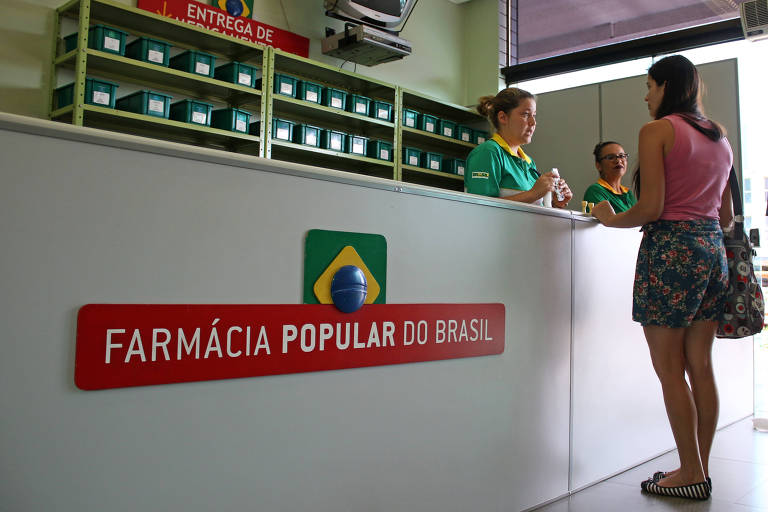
{"x": 738, "y": 467}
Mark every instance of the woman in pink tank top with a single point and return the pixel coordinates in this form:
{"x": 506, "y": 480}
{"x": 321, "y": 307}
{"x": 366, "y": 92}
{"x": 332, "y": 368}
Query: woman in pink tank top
{"x": 681, "y": 277}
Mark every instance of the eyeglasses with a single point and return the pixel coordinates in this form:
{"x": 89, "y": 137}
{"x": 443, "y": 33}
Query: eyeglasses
{"x": 613, "y": 157}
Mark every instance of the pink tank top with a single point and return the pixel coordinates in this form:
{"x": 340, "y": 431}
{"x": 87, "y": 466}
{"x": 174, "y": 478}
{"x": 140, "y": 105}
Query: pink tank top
{"x": 696, "y": 170}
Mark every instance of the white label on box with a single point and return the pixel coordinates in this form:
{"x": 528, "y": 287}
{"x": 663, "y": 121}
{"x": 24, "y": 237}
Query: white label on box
{"x": 241, "y": 126}
{"x": 384, "y": 154}
{"x": 201, "y": 68}
{"x": 413, "y": 160}
{"x": 480, "y": 140}
{"x": 156, "y": 106}
{"x": 199, "y": 117}
{"x": 336, "y": 102}
{"x": 112, "y": 43}
{"x": 409, "y": 121}
{"x": 447, "y": 132}
{"x": 434, "y": 164}
{"x": 244, "y": 79}
{"x": 460, "y": 170}
{"x": 383, "y": 113}
{"x": 430, "y": 127}
{"x": 360, "y": 108}
{"x": 282, "y": 133}
{"x": 357, "y": 147}
{"x": 465, "y": 136}
{"x": 101, "y": 98}
{"x": 336, "y": 143}
{"x": 310, "y": 138}
{"x": 286, "y": 88}
{"x": 155, "y": 56}
{"x": 312, "y": 96}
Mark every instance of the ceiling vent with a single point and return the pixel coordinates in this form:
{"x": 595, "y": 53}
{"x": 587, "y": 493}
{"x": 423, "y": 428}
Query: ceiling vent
{"x": 754, "y": 19}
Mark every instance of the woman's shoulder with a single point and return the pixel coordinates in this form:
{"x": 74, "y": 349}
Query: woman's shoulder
{"x": 658, "y": 128}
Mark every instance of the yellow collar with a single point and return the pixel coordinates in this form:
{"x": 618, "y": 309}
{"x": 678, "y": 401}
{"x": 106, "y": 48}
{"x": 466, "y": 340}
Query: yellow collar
{"x": 605, "y": 184}
{"x": 501, "y": 142}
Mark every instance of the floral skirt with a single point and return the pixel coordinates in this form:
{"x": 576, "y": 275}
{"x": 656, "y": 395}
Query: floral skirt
{"x": 681, "y": 273}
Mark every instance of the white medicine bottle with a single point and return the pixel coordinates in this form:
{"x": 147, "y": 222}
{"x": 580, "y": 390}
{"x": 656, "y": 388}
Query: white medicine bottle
{"x": 558, "y": 188}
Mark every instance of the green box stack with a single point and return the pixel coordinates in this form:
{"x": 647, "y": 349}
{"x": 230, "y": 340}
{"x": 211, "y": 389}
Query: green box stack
{"x": 333, "y": 140}
{"x": 310, "y": 91}
{"x": 237, "y": 73}
{"x": 307, "y": 135}
{"x": 380, "y": 149}
{"x": 192, "y": 111}
{"x": 149, "y": 103}
{"x": 433, "y": 161}
{"x": 447, "y": 128}
{"x": 282, "y": 129}
{"x": 357, "y": 145}
{"x": 454, "y": 165}
{"x": 410, "y": 118}
{"x": 193, "y": 61}
{"x": 411, "y": 156}
{"x": 428, "y": 123}
{"x": 149, "y": 50}
{"x": 97, "y": 92}
{"x": 381, "y": 110}
{"x": 358, "y": 104}
{"x": 335, "y": 98}
{"x": 232, "y": 119}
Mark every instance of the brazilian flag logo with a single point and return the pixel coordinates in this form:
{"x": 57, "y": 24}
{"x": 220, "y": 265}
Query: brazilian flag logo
{"x": 325, "y": 252}
{"x": 236, "y": 8}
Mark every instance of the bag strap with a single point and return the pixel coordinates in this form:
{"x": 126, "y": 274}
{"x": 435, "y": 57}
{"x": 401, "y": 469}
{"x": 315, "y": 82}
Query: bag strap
{"x": 738, "y": 209}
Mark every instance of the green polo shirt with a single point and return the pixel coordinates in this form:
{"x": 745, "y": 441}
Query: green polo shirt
{"x": 602, "y": 191}
{"x": 491, "y": 166}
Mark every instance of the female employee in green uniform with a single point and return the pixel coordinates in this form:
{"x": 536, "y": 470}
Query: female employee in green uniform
{"x": 611, "y": 163}
{"x": 498, "y": 167}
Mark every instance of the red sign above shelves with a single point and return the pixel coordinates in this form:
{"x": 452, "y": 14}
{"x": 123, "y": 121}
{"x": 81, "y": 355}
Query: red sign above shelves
{"x": 121, "y": 345}
{"x": 215, "y": 19}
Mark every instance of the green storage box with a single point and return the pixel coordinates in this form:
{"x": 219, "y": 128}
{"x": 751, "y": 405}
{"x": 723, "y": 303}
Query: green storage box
{"x": 333, "y": 140}
{"x": 191, "y": 111}
{"x": 454, "y": 165}
{"x": 232, "y": 119}
{"x": 380, "y": 149}
{"x": 464, "y": 133}
{"x": 237, "y": 73}
{"x": 102, "y": 38}
{"x": 97, "y": 92}
{"x": 285, "y": 85}
{"x": 433, "y": 161}
{"x": 335, "y": 98}
{"x": 149, "y": 103}
{"x": 447, "y": 128}
{"x": 479, "y": 136}
{"x": 307, "y": 135}
{"x": 149, "y": 50}
{"x": 357, "y": 145}
{"x": 358, "y": 104}
{"x": 282, "y": 129}
{"x": 428, "y": 123}
{"x": 410, "y": 118}
{"x": 309, "y": 91}
{"x": 412, "y": 156}
{"x": 193, "y": 61}
{"x": 381, "y": 110}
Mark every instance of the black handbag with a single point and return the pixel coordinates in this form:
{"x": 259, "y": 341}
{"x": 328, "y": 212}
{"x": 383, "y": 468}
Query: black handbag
{"x": 744, "y": 310}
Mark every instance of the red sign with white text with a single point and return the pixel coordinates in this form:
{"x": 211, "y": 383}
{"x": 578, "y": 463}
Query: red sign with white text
{"x": 215, "y": 19}
{"x": 121, "y": 345}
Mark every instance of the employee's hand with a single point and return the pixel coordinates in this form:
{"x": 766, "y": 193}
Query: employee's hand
{"x": 545, "y": 183}
{"x": 567, "y": 195}
{"x": 603, "y": 211}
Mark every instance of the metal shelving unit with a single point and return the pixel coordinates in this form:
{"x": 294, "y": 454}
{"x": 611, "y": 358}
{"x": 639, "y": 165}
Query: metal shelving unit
{"x": 264, "y": 103}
